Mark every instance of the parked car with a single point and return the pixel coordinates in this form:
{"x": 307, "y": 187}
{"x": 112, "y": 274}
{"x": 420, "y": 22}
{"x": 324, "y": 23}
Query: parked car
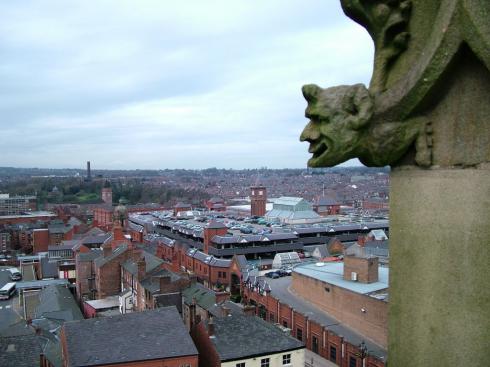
{"x": 272, "y": 275}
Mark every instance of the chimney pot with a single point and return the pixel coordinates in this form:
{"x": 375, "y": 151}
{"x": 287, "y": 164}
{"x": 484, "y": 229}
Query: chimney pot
{"x": 211, "y": 326}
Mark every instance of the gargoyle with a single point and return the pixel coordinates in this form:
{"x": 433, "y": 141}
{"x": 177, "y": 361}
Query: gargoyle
{"x": 342, "y": 126}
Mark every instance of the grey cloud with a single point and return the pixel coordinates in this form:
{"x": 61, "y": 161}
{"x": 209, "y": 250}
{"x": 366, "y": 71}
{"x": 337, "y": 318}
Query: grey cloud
{"x": 218, "y": 80}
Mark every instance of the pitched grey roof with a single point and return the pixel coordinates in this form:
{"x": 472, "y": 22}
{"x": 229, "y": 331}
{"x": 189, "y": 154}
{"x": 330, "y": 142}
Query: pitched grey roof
{"x": 96, "y": 239}
{"x": 20, "y": 351}
{"x": 57, "y": 302}
{"x": 215, "y": 225}
{"x": 101, "y": 261}
{"x": 91, "y": 255}
{"x": 49, "y": 269}
{"x": 242, "y": 261}
{"x": 152, "y": 263}
{"x": 321, "y": 248}
{"x": 326, "y": 201}
{"x": 203, "y": 296}
{"x": 280, "y": 236}
{"x": 225, "y": 239}
{"x": 239, "y": 336}
{"x": 152, "y": 282}
{"x": 138, "y": 336}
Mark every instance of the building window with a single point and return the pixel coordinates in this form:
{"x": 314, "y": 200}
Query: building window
{"x": 286, "y": 359}
{"x": 240, "y": 364}
{"x": 185, "y": 365}
{"x": 299, "y": 334}
{"x": 333, "y": 354}
{"x": 265, "y": 362}
{"x": 352, "y": 362}
{"x": 284, "y": 323}
{"x": 314, "y": 344}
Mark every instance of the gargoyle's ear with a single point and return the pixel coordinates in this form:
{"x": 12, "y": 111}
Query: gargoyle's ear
{"x": 363, "y": 106}
{"x": 311, "y": 92}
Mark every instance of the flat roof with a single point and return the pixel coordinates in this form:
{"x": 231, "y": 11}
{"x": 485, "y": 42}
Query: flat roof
{"x": 109, "y": 302}
{"x": 40, "y": 283}
{"x": 29, "y": 215}
{"x": 333, "y": 273}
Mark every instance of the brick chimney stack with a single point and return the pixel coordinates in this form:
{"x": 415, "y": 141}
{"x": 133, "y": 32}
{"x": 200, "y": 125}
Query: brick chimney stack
{"x": 141, "y": 268}
{"x": 213, "y": 228}
{"x": 107, "y": 250}
{"x": 164, "y": 282}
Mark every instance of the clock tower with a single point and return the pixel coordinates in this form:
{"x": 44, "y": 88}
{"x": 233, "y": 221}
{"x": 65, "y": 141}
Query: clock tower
{"x": 258, "y": 198}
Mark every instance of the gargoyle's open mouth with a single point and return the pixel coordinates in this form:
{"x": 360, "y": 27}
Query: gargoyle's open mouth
{"x": 318, "y": 149}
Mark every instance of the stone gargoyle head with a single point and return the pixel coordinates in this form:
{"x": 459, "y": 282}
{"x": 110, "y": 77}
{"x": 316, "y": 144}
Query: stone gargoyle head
{"x": 338, "y": 116}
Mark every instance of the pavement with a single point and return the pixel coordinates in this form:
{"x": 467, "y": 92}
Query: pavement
{"x": 10, "y": 312}
{"x": 28, "y": 272}
{"x": 314, "y": 360}
{"x": 280, "y": 289}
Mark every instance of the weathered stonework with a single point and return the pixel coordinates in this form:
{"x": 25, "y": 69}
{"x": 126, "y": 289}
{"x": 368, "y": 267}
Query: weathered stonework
{"x": 428, "y": 100}
{"x": 427, "y": 115}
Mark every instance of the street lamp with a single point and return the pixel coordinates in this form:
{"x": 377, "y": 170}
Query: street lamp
{"x": 363, "y": 353}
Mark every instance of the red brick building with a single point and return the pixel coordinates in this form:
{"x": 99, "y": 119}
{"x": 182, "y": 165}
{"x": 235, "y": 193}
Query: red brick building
{"x": 326, "y": 288}
{"x": 215, "y": 204}
{"x": 181, "y": 207}
{"x": 325, "y": 206}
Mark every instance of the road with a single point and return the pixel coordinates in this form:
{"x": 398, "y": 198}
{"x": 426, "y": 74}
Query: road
{"x": 9, "y": 309}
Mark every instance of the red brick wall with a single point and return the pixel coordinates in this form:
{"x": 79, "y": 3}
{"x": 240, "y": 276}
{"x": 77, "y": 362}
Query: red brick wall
{"x": 366, "y": 268}
{"x": 40, "y": 240}
{"x": 278, "y": 312}
{"x": 207, "y": 352}
{"x": 346, "y": 306}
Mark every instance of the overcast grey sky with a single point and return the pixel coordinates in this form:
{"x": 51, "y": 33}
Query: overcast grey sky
{"x": 168, "y": 84}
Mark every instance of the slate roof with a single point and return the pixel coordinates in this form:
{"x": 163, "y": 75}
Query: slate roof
{"x": 138, "y": 336}
{"x": 326, "y": 201}
{"x": 91, "y": 255}
{"x": 49, "y": 269}
{"x": 135, "y": 227}
{"x": 204, "y": 297}
{"x": 321, "y": 248}
{"x": 280, "y": 236}
{"x": 152, "y": 263}
{"x": 96, "y": 239}
{"x": 20, "y": 351}
{"x": 152, "y": 282}
{"x": 57, "y": 302}
{"x": 101, "y": 261}
{"x": 242, "y": 261}
{"x": 215, "y": 225}
{"x": 240, "y": 336}
{"x": 225, "y": 239}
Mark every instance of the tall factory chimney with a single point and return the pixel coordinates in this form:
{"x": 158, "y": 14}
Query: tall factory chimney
{"x": 89, "y": 174}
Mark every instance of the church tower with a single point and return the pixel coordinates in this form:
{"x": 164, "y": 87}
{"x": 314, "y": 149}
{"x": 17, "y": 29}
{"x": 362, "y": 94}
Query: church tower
{"x": 107, "y": 193}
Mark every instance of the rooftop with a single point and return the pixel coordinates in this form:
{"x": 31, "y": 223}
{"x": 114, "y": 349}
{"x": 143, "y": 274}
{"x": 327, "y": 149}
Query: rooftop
{"x": 239, "y": 336}
{"x": 139, "y": 336}
{"x": 333, "y": 273}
